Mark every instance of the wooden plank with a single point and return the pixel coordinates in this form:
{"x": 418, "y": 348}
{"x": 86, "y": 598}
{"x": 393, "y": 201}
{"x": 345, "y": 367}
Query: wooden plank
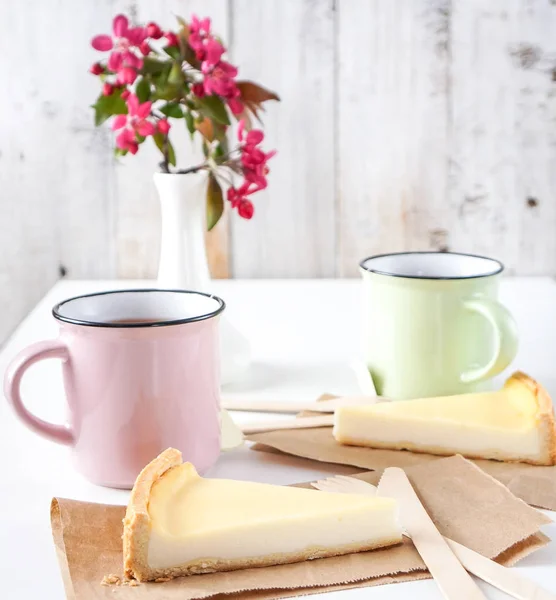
{"x": 535, "y": 53}
{"x": 76, "y": 158}
{"x": 503, "y": 179}
{"x": 54, "y": 214}
{"x": 138, "y": 213}
{"x": 484, "y": 145}
{"x": 288, "y": 46}
{"x": 404, "y": 124}
{"x": 392, "y": 127}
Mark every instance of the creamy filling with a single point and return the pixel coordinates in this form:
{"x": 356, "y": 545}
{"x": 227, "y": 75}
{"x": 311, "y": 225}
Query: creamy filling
{"x": 362, "y": 527}
{"x": 455, "y": 437}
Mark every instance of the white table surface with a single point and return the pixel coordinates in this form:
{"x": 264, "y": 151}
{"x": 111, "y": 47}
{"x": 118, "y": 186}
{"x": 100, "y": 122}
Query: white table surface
{"x": 304, "y": 336}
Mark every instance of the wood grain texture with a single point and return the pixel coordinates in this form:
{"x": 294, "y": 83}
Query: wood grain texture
{"x": 502, "y": 135}
{"x": 392, "y": 127}
{"x": 404, "y": 124}
{"x": 484, "y": 147}
{"x": 56, "y": 204}
{"x": 536, "y": 131}
{"x": 288, "y": 46}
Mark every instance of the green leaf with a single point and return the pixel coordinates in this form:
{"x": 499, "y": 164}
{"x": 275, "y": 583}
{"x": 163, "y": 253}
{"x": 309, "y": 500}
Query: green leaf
{"x": 107, "y": 106}
{"x": 154, "y": 66}
{"x": 143, "y": 90}
{"x": 162, "y": 142}
{"x": 166, "y": 92}
{"x": 214, "y": 108}
{"x": 215, "y": 201}
{"x": 176, "y": 75}
{"x": 172, "y": 109}
{"x": 220, "y": 132}
{"x": 173, "y": 51}
{"x": 161, "y": 79}
{"x": 190, "y": 122}
{"x": 221, "y": 150}
{"x": 206, "y": 128}
{"x": 189, "y": 55}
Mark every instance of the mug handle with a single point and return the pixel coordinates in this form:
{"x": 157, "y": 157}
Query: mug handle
{"x": 504, "y": 329}
{"x": 62, "y": 434}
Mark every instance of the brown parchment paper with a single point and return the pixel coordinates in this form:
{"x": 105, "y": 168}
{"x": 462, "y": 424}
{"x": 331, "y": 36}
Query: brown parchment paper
{"x": 466, "y": 504}
{"x": 536, "y": 485}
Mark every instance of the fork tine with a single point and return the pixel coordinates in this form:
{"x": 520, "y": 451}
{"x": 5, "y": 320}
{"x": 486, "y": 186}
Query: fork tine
{"x": 323, "y": 483}
{"x": 352, "y": 480}
{"x": 343, "y": 484}
{"x": 355, "y": 482}
{"x": 326, "y": 485}
{"x": 344, "y": 480}
{"x": 350, "y": 485}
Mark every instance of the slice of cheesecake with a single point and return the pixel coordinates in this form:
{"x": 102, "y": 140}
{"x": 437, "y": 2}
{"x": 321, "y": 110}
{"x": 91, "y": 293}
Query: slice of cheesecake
{"x": 513, "y": 424}
{"x": 178, "y": 523}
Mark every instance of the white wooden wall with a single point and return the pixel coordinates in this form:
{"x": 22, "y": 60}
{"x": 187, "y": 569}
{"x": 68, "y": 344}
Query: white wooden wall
{"x": 404, "y": 124}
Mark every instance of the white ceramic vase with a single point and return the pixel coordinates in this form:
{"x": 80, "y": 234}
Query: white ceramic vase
{"x": 183, "y": 259}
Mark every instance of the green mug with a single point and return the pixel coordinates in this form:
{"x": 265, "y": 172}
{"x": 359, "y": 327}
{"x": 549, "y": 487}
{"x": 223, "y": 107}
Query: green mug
{"x": 433, "y": 325}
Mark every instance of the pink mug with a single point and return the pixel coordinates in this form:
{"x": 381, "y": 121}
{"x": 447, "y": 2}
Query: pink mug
{"x": 141, "y": 373}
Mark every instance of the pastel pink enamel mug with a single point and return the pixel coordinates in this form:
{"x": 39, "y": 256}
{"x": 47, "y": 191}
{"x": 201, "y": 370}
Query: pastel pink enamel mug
{"x": 141, "y": 373}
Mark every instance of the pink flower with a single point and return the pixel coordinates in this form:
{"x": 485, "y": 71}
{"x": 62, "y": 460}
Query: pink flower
{"x": 241, "y": 130}
{"x": 138, "y": 114}
{"x": 198, "y": 89}
{"x": 96, "y": 69}
{"x": 107, "y": 89}
{"x": 235, "y": 196}
{"x": 145, "y": 48}
{"x": 126, "y": 76}
{"x": 154, "y": 31}
{"x": 218, "y": 74}
{"x": 163, "y": 126}
{"x": 124, "y": 37}
{"x": 225, "y": 69}
{"x": 172, "y": 39}
{"x": 200, "y": 25}
{"x": 199, "y": 30}
{"x": 236, "y": 106}
{"x": 134, "y": 123}
{"x": 253, "y": 160}
{"x": 125, "y": 140}
{"x": 214, "y": 51}
{"x": 219, "y": 79}
{"x": 122, "y": 44}
{"x": 125, "y": 94}
{"x": 200, "y": 54}
{"x": 253, "y": 137}
{"x": 238, "y": 199}
{"x": 245, "y": 208}
{"x": 115, "y": 61}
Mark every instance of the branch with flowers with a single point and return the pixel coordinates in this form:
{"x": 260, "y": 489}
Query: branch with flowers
{"x": 151, "y": 77}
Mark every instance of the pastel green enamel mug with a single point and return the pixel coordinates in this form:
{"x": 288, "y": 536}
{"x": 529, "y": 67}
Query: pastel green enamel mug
{"x": 433, "y": 325}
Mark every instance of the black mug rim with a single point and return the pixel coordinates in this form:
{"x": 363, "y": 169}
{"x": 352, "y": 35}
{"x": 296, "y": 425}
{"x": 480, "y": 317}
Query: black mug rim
{"x": 431, "y": 277}
{"x": 164, "y": 323}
